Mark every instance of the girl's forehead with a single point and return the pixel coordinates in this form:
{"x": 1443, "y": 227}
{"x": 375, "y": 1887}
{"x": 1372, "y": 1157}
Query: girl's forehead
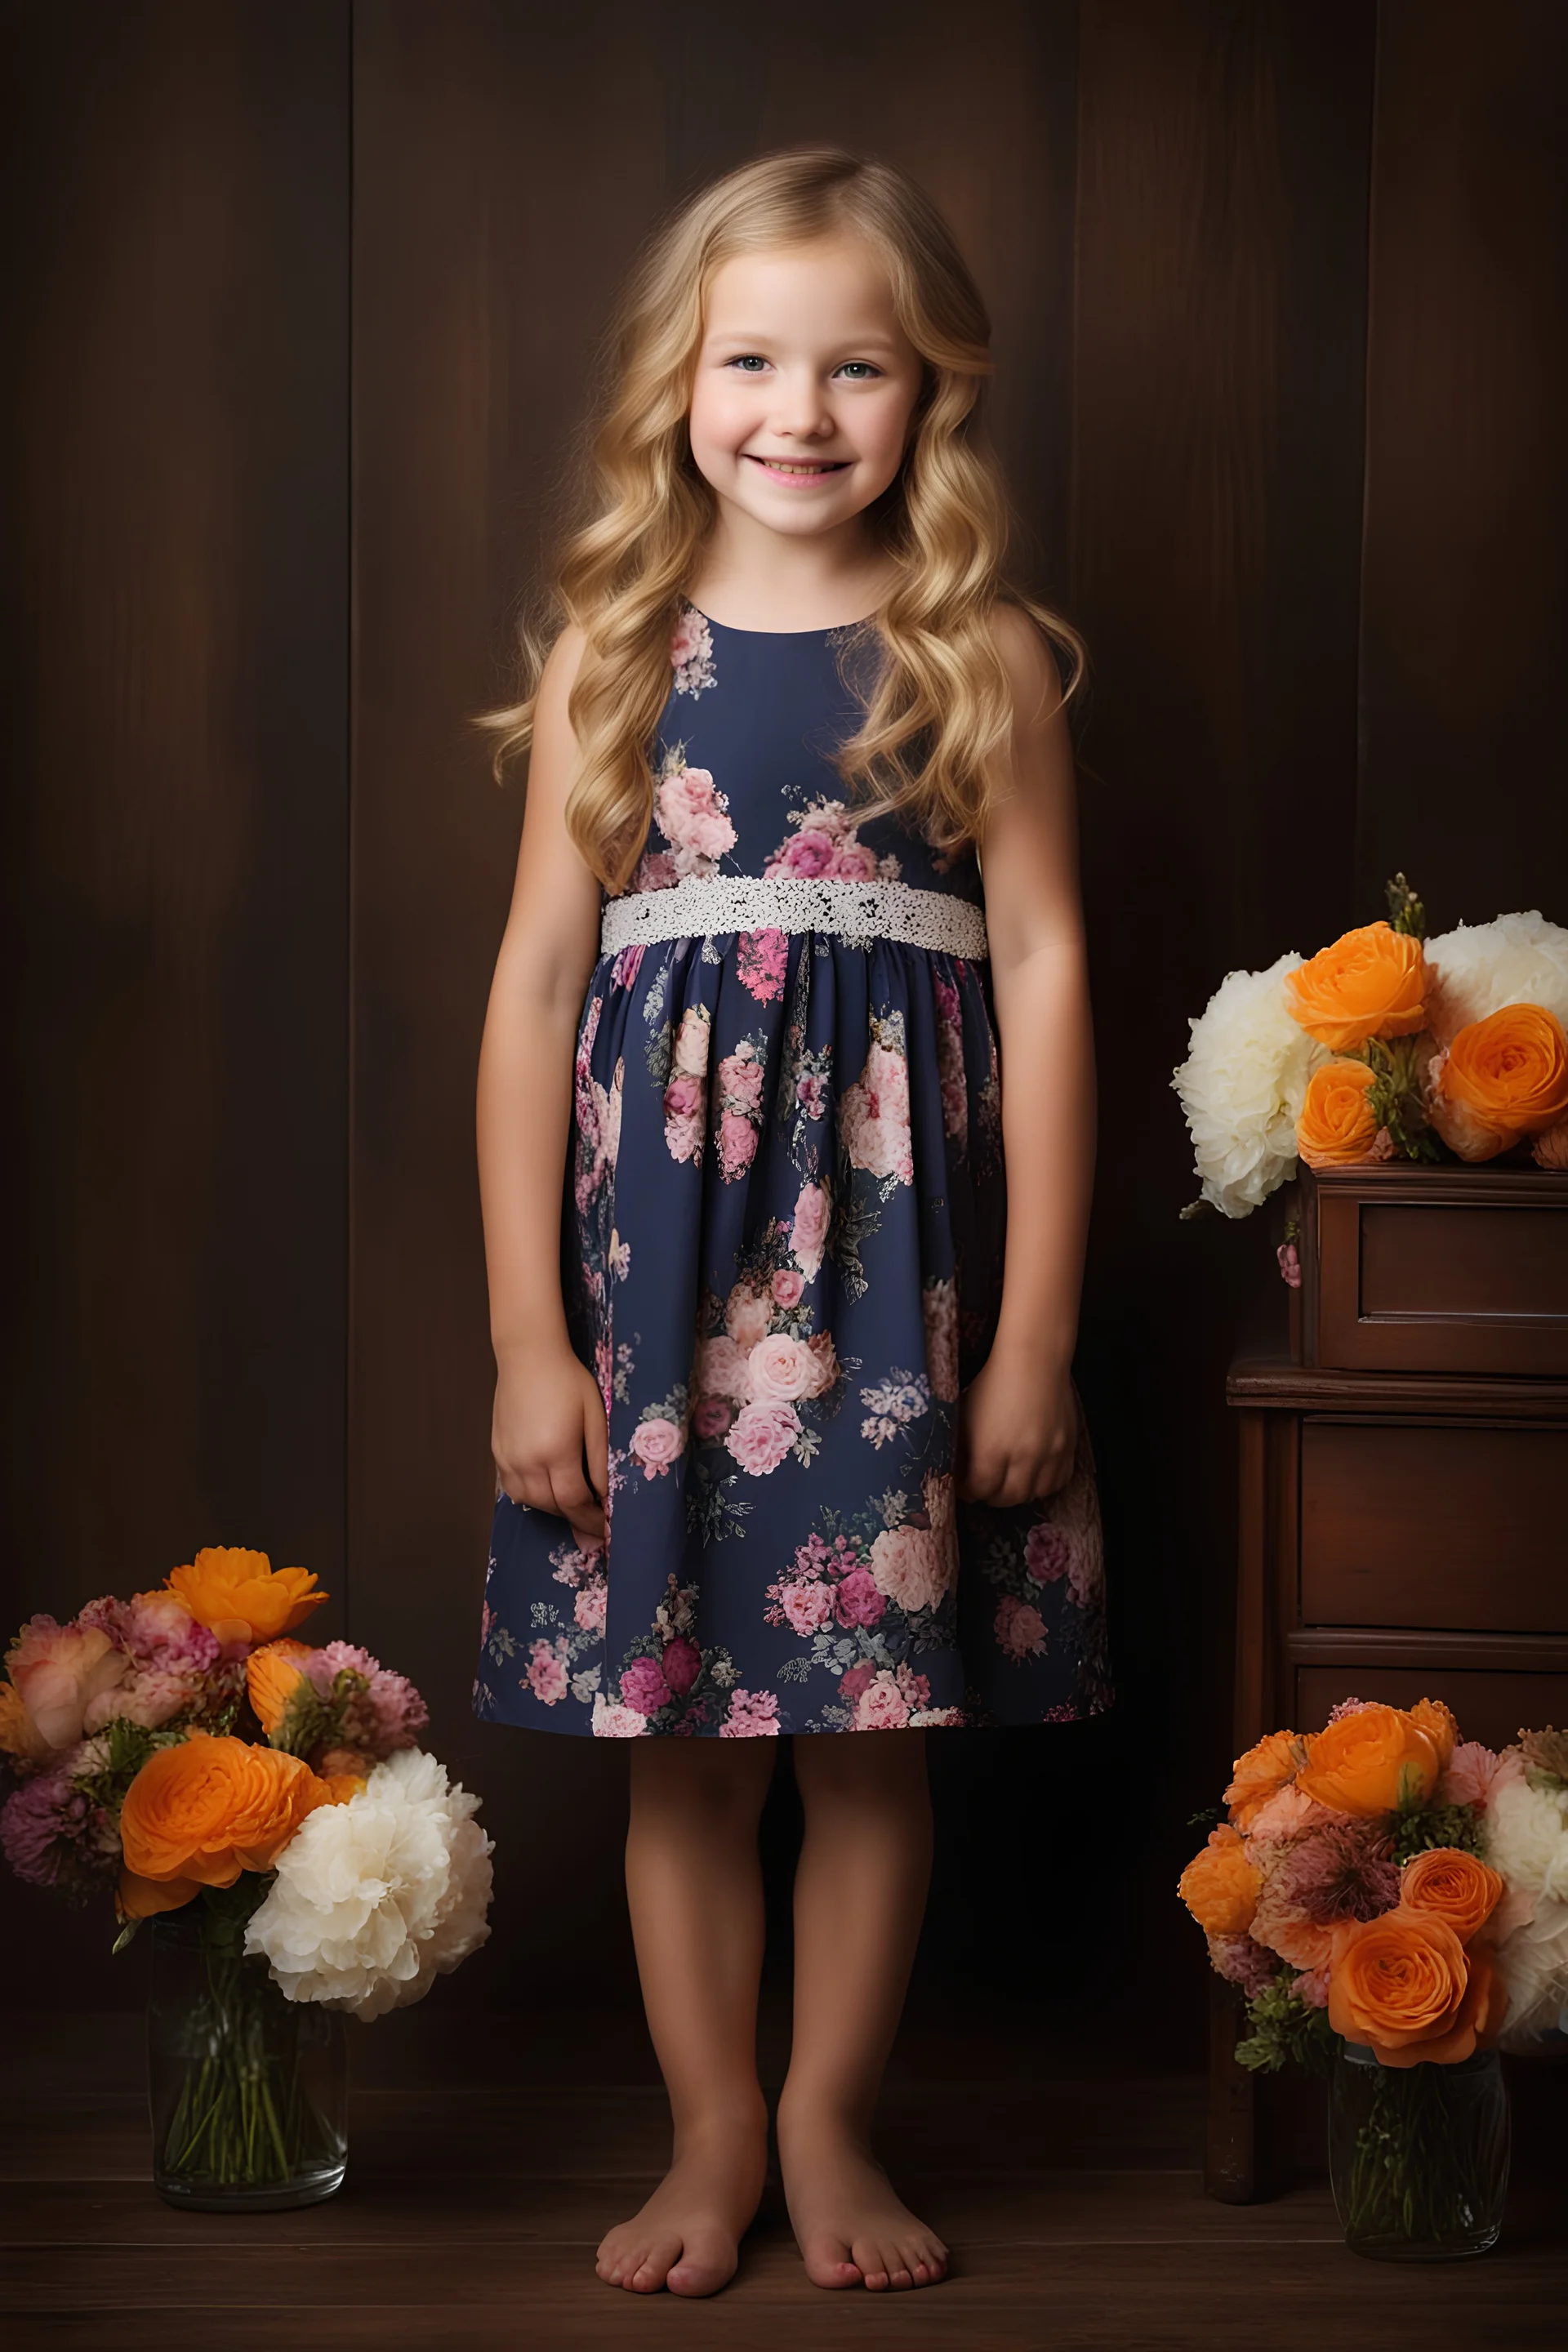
{"x": 844, "y": 271}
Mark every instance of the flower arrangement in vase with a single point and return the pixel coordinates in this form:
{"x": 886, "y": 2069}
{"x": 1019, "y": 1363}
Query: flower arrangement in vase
{"x": 1386, "y": 1044}
{"x": 264, "y": 1804}
{"x": 1392, "y": 1904}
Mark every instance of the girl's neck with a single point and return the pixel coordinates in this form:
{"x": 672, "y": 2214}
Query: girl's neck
{"x": 771, "y": 601}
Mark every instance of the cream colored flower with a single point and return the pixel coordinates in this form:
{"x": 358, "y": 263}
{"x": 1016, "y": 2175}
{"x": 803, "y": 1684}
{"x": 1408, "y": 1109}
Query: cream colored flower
{"x": 1477, "y": 968}
{"x": 1243, "y": 1084}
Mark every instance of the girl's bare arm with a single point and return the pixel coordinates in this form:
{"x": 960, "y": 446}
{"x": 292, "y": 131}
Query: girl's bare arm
{"x": 1018, "y": 1423}
{"x": 548, "y": 1410}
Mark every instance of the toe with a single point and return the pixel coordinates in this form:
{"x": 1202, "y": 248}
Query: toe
{"x": 875, "y": 2266}
{"x": 648, "y": 2275}
{"x": 829, "y": 2263}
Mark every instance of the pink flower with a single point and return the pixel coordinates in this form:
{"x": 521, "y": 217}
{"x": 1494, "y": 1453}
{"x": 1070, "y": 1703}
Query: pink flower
{"x": 882, "y": 1706}
{"x": 737, "y": 1145}
{"x": 685, "y": 1096}
{"x": 546, "y": 1674}
{"x": 809, "y": 1228}
{"x": 856, "y": 863}
{"x": 1312, "y": 1987}
{"x": 754, "y": 1715}
{"x": 655, "y": 1442}
{"x": 1290, "y": 1264}
{"x": 938, "y": 1303}
{"x": 1046, "y": 1552}
{"x": 740, "y": 1073}
{"x": 643, "y": 1686}
{"x": 712, "y": 1416}
{"x": 723, "y": 1366}
{"x": 787, "y": 1286}
{"x": 807, "y": 1606}
{"x": 874, "y": 1116}
{"x": 915, "y": 1566}
{"x": 857, "y": 1600}
{"x": 811, "y": 1094}
{"x": 589, "y": 1608}
{"x": 747, "y": 1314}
{"x": 1242, "y": 1962}
{"x": 688, "y": 637}
{"x": 761, "y": 1435}
{"x": 810, "y": 852}
{"x": 761, "y": 960}
{"x": 1020, "y": 1629}
{"x": 682, "y": 1664}
{"x": 854, "y": 1680}
{"x": 1285, "y": 1812}
{"x": 611, "y": 1722}
{"x": 382, "y": 1717}
{"x": 58, "y": 1671}
{"x": 655, "y": 871}
{"x": 688, "y": 1054}
{"x": 1472, "y": 1770}
{"x": 47, "y": 1835}
{"x": 781, "y": 1369}
{"x": 626, "y": 965}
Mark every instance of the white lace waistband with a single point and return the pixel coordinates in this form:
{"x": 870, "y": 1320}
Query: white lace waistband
{"x": 700, "y": 905}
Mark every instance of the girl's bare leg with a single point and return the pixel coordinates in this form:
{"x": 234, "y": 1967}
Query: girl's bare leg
{"x": 695, "y": 1889}
{"x": 859, "y": 1894}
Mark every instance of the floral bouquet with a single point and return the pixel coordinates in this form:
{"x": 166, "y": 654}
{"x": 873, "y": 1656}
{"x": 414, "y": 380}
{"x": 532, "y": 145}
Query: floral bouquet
{"x": 1384, "y": 1893}
{"x": 265, "y": 1803}
{"x": 1385, "y": 1044}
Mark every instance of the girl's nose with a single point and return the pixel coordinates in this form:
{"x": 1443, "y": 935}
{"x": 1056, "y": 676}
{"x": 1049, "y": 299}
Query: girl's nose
{"x": 802, "y": 409}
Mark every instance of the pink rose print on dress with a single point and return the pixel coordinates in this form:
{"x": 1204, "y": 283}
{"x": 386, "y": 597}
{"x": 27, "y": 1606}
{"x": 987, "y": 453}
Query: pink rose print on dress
{"x": 761, "y": 1435}
{"x": 1020, "y": 1629}
{"x": 643, "y": 1686}
{"x": 691, "y": 652}
{"x": 808, "y": 1229}
{"x": 588, "y": 1609}
{"x": 806, "y": 1607}
{"x": 787, "y": 1286}
{"x": 546, "y": 1676}
{"x": 739, "y": 1082}
{"x": 874, "y": 1111}
{"x": 889, "y": 1699}
{"x": 754, "y": 1715}
{"x": 938, "y": 1303}
{"x": 857, "y": 1599}
{"x": 780, "y": 1368}
{"x": 762, "y": 958}
{"x": 626, "y": 965}
{"x": 682, "y": 1663}
{"x": 686, "y": 1094}
{"x": 613, "y": 1722}
{"x": 916, "y": 1565}
{"x": 1046, "y": 1553}
{"x": 655, "y": 1443}
{"x": 823, "y": 843}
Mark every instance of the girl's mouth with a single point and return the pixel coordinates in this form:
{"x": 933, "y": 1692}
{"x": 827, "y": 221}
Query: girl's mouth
{"x": 815, "y": 469}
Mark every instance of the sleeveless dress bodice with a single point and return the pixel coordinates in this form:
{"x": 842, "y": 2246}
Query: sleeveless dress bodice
{"x": 783, "y": 1238}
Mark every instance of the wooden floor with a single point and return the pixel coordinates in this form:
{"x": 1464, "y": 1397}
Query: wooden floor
{"x": 485, "y": 2163}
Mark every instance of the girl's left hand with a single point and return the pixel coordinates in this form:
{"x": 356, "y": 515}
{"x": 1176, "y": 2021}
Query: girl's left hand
{"x": 1017, "y": 1433}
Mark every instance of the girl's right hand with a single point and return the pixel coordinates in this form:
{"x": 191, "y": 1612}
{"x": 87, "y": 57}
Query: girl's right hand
{"x": 547, "y": 1414}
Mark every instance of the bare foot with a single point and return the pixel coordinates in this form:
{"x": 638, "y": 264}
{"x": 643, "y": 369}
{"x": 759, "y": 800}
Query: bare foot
{"x": 688, "y": 2236}
{"x": 851, "y": 2228}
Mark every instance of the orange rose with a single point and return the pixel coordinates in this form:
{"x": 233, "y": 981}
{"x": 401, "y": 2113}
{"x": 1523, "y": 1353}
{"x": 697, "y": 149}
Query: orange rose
{"x": 1436, "y": 1720}
{"x": 271, "y": 1677}
{"x": 1219, "y": 1885}
{"x": 1338, "y": 1124}
{"x": 1450, "y": 1884}
{"x": 1260, "y": 1774}
{"x": 1368, "y": 1762}
{"x": 1501, "y": 1077}
{"x": 1370, "y": 983}
{"x": 198, "y": 1813}
{"x": 240, "y": 1597}
{"x": 1405, "y": 1985}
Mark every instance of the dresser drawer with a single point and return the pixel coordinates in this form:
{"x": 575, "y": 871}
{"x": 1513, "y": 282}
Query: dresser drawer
{"x": 1434, "y": 1524}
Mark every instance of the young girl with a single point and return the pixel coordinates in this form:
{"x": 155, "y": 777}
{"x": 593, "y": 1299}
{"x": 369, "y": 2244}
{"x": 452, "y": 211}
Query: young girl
{"x": 779, "y": 1449}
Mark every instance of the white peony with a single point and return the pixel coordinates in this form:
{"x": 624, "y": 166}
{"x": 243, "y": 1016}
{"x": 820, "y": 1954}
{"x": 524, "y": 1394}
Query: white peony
{"x": 375, "y": 1898}
{"x": 1477, "y": 968}
{"x": 1527, "y": 1837}
{"x": 1242, "y": 1086}
{"x": 1534, "y": 1964}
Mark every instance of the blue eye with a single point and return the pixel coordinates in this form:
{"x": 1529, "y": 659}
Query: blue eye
{"x": 862, "y": 364}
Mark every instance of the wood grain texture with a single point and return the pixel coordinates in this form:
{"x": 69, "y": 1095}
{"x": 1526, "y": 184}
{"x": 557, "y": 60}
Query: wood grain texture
{"x": 175, "y": 852}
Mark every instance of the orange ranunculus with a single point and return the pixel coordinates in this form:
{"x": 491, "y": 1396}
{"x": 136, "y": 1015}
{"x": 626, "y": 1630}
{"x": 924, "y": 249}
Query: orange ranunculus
{"x": 1501, "y": 1077}
{"x": 1370, "y": 983}
{"x": 1437, "y": 1719}
{"x": 1338, "y": 1124}
{"x": 1219, "y": 1885}
{"x": 1368, "y": 1762}
{"x": 1405, "y": 1985}
{"x": 208, "y": 1808}
{"x": 271, "y": 1677}
{"x": 241, "y": 1597}
{"x": 1453, "y": 1885}
{"x": 1261, "y": 1773}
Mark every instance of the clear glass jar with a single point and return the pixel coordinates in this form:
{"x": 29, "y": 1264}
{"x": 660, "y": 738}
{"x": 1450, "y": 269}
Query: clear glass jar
{"x": 1418, "y": 2155}
{"x": 248, "y": 2090}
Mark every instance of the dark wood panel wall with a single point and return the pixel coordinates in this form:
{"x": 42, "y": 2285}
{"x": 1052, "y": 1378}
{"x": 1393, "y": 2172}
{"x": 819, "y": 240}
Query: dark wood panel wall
{"x": 1278, "y": 360}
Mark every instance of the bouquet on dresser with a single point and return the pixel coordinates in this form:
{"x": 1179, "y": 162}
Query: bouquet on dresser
{"x": 265, "y": 1803}
{"x": 1390, "y": 1902}
{"x": 1386, "y": 1044}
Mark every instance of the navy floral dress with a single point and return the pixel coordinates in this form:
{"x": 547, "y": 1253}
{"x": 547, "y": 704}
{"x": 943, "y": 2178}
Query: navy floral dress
{"x": 782, "y": 1257}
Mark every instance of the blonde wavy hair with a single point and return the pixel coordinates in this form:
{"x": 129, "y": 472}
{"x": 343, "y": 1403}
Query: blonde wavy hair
{"x": 640, "y": 514}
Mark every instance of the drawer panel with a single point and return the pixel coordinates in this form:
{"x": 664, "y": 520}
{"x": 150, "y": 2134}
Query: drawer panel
{"x": 1464, "y": 1261}
{"x": 1435, "y": 1526}
{"x": 1489, "y": 1707}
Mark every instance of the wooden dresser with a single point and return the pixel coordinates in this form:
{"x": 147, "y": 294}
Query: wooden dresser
{"x": 1403, "y": 1426}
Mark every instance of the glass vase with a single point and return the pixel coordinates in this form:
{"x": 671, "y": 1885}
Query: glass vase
{"x": 248, "y": 2090}
{"x": 1418, "y": 2155}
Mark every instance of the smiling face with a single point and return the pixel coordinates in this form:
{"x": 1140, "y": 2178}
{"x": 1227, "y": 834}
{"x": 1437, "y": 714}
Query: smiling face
{"x": 804, "y": 386}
